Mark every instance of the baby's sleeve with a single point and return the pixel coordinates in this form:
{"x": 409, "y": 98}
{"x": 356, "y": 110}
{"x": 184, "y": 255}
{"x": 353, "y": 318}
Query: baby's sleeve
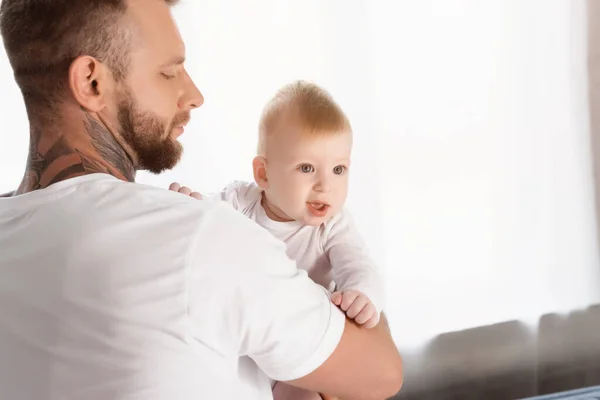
{"x": 353, "y": 268}
{"x": 238, "y": 194}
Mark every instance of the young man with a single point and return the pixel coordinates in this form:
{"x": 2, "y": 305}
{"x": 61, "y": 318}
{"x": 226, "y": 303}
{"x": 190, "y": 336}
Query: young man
{"x": 111, "y": 289}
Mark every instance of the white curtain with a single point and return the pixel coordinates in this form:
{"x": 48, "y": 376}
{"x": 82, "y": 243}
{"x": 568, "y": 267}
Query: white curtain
{"x": 472, "y": 173}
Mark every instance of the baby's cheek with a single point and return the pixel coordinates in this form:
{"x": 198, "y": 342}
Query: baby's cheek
{"x": 293, "y": 193}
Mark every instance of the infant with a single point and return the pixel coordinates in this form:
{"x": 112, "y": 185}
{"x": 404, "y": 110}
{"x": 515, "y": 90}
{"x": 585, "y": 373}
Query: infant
{"x": 300, "y": 186}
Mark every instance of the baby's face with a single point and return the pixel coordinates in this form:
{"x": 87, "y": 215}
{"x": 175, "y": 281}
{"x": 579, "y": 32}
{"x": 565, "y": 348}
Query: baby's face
{"x": 307, "y": 176}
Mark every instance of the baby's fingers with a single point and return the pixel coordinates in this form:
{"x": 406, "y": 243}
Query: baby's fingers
{"x": 372, "y": 322}
{"x": 357, "y": 306}
{"x": 348, "y": 298}
{"x": 366, "y": 314}
{"x": 185, "y": 190}
{"x": 336, "y": 298}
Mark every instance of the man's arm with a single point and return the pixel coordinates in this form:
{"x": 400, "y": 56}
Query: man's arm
{"x": 247, "y": 297}
{"x": 365, "y": 365}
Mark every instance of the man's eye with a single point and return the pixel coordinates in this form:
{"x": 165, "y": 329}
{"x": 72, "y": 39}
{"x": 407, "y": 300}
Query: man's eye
{"x": 167, "y": 77}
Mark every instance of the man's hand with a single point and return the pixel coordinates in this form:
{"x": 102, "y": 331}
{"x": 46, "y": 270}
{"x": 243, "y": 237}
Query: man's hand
{"x": 176, "y": 187}
{"x": 357, "y": 306}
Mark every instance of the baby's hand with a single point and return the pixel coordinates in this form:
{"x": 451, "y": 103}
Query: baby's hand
{"x": 357, "y": 307}
{"x": 176, "y": 187}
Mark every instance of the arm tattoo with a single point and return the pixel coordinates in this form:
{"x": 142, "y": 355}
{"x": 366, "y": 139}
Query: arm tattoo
{"x": 63, "y": 161}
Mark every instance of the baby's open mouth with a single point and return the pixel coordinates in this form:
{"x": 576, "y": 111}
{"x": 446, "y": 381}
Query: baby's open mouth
{"x": 317, "y": 208}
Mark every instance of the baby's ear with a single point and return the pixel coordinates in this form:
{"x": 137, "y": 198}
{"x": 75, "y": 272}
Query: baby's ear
{"x": 259, "y": 166}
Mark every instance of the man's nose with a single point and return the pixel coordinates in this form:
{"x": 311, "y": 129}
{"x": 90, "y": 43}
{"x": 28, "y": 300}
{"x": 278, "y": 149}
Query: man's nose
{"x": 192, "y": 97}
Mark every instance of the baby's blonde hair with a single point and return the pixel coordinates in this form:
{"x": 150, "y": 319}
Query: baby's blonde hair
{"x": 309, "y": 106}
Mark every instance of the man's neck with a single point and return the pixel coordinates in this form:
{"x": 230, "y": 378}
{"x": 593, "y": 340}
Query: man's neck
{"x": 82, "y": 147}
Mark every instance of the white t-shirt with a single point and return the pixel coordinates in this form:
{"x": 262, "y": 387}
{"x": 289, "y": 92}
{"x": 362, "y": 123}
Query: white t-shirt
{"x": 333, "y": 254}
{"x": 115, "y": 290}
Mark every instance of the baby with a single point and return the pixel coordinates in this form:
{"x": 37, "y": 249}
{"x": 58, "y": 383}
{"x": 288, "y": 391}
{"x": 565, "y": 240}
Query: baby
{"x": 301, "y": 183}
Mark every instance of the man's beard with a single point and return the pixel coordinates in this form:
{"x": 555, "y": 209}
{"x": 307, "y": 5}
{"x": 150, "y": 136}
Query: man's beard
{"x": 144, "y": 132}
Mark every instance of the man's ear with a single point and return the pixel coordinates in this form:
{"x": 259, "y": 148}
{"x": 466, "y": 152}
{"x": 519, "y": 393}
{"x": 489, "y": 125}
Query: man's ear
{"x": 259, "y": 166}
{"x": 90, "y": 83}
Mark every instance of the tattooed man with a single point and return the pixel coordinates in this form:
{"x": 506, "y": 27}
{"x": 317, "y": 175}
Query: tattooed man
{"x": 115, "y": 290}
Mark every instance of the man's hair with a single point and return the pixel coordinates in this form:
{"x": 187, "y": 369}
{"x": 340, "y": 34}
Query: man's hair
{"x": 43, "y": 37}
{"x": 308, "y": 106}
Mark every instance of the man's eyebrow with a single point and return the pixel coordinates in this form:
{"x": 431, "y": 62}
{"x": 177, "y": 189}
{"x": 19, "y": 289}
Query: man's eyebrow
{"x": 179, "y": 60}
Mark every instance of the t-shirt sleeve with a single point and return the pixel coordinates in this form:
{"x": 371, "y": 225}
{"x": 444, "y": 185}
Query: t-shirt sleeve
{"x": 247, "y": 298}
{"x": 238, "y": 194}
{"x": 352, "y": 266}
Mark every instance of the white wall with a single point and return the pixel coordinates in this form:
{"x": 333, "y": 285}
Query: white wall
{"x": 472, "y": 178}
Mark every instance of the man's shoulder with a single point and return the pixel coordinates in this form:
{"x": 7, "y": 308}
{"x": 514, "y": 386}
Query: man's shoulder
{"x": 118, "y": 203}
{"x": 217, "y": 217}
{"x": 227, "y": 237}
{"x": 138, "y": 195}
{"x": 211, "y": 223}
{"x": 238, "y": 229}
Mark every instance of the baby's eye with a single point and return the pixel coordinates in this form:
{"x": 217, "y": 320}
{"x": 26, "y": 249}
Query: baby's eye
{"x": 339, "y": 170}
{"x": 307, "y": 168}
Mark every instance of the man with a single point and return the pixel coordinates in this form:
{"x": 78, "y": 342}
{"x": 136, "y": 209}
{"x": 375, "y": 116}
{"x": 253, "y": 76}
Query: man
{"x": 114, "y": 290}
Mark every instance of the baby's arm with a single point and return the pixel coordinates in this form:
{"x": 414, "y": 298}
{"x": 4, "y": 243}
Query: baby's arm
{"x": 359, "y": 283}
{"x": 239, "y": 194}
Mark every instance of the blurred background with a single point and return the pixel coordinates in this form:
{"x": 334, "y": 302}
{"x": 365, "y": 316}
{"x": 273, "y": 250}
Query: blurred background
{"x": 473, "y": 169}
